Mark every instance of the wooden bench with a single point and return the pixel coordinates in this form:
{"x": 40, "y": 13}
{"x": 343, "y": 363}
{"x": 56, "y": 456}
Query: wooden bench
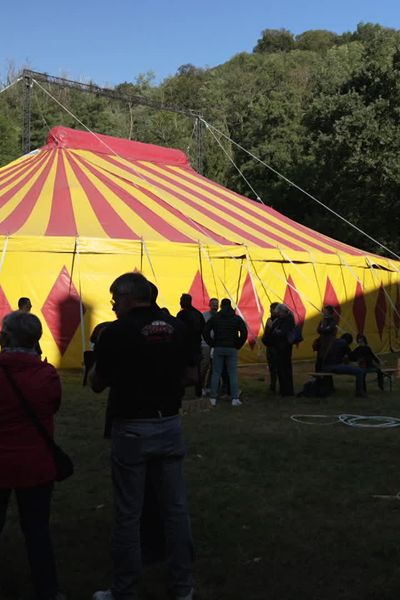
{"x": 387, "y": 375}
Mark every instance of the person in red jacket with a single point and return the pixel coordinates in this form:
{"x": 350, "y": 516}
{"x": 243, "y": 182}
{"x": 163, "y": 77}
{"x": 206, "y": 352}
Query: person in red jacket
{"x": 26, "y": 462}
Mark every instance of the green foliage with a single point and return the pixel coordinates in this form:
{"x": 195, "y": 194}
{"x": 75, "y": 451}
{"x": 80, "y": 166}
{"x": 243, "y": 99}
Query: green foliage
{"x": 275, "y": 40}
{"x": 320, "y": 108}
{"x": 317, "y": 40}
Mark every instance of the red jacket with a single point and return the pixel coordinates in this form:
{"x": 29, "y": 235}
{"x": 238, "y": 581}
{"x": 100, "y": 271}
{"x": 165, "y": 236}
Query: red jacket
{"x": 25, "y": 457}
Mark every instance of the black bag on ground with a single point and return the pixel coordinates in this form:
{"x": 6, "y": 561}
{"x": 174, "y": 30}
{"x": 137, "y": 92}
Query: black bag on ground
{"x": 318, "y": 387}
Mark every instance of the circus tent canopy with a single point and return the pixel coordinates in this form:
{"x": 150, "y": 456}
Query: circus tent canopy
{"x": 86, "y": 207}
{"x": 98, "y": 186}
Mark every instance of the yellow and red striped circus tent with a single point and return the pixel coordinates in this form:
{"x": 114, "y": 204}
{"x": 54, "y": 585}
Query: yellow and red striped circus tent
{"x": 87, "y": 207}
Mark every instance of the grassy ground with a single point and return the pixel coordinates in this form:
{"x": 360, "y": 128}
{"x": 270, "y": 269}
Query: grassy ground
{"x": 280, "y": 510}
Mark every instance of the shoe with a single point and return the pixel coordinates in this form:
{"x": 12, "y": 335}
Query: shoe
{"x": 205, "y": 392}
{"x": 103, "y": 595}
{"x": 213, "y": 402}
{"x": 361, "y": 394}
{"x": 188, "y": 596}
{"x": 236, "y": 402}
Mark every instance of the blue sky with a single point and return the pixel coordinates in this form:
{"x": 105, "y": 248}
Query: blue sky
{"x": 115, "y": 40}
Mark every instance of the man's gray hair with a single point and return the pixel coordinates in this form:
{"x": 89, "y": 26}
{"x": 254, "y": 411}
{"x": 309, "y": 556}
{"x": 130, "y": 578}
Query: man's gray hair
{"x": 134, "y": 285}
{"x": 22, "y": 329}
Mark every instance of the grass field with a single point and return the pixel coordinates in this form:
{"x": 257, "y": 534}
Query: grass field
{"x": 280, "y": 510}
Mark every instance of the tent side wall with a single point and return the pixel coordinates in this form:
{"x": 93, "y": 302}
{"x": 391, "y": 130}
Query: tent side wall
{"x": 68, "y": 282}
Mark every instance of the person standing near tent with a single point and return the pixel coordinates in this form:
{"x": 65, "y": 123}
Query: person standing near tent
{"x": 141, "y": 357}
{"x": 279, "y": 339}
{"x": 327, "y": 330}
{"x": 25, "y": 305}
{"x": 206, "y": 359}
{"x": 195, "y": 323}
{"x": 226, "y": 333}
{"x": 26, "y": 461}
{"x": 271, "y": 352}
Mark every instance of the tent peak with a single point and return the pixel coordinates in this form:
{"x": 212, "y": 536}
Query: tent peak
{"x": 64, "y": 137}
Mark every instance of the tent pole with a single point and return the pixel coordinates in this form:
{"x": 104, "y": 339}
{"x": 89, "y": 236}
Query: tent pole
{"x": 206, "y": 254}
{"x": 83, "y": 332}
{"x": 3, "y": 254}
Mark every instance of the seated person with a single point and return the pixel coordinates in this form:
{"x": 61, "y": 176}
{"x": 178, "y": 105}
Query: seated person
{"x": 336, "y": 361}
{"x": 366, "y": 358}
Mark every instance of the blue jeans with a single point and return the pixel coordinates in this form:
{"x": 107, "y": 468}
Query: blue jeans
{"x": 348, "y": 370}
{"x": 154, "y": 447}
{"x": 227, "y": 356}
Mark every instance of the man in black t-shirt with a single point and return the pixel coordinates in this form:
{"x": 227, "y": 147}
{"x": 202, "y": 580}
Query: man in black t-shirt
{"x": 141, "y": 357}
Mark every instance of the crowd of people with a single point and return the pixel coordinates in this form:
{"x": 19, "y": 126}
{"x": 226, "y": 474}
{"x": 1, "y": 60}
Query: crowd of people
{"x": 141, "y": 358}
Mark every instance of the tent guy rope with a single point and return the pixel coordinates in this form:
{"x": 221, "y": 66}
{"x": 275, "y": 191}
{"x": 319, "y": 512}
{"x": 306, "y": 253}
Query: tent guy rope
{"x": 303, "y": 191}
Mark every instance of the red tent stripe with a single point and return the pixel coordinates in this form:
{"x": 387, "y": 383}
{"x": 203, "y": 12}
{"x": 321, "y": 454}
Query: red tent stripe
{"x": 7, "y": 170}
{"x": 154, "y": 220}
{"x": 21, "y": 213}
{"x": 111, "y": 222}
{"x": 273, "y": 226}
{"x": 12, "y": 191}
{"x": 250, "y": 205}
{"x": 238, "y": 220}
{"x": 164, "y": 204}
{"x": 62, "y": 219}
{"x": 204, "y": 211}
{"x": 327, "y": 240}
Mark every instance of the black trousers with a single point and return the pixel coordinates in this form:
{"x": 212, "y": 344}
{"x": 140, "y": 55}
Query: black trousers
{"x": 273, "y": 368}
{"x": 284, "y": 368}
{"x": 34, "y": 518}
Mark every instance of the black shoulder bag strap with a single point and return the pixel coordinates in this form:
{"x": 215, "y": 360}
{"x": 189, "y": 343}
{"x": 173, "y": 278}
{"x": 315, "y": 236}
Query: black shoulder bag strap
{"x": 29, "y": 410}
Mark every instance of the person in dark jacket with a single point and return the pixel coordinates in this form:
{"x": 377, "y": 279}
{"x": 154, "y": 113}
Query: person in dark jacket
{"x": 26, "y": 461}
{"x": 25, "y": 305}
{"x": 226, "y": 332}
{"x": 278, "y": 338}
{"x": 142, "y": 357}
{"x": 195, "y": 323}
{"x": 366, "y": 358}
{"x": 271, "y": 351}
{"x": 336, "y": 361}
{"x": 327, "y": 330}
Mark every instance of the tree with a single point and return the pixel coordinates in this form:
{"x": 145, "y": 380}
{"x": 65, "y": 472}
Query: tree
{"x": 275, "y": 40}
{"x": 316, "y": 40}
